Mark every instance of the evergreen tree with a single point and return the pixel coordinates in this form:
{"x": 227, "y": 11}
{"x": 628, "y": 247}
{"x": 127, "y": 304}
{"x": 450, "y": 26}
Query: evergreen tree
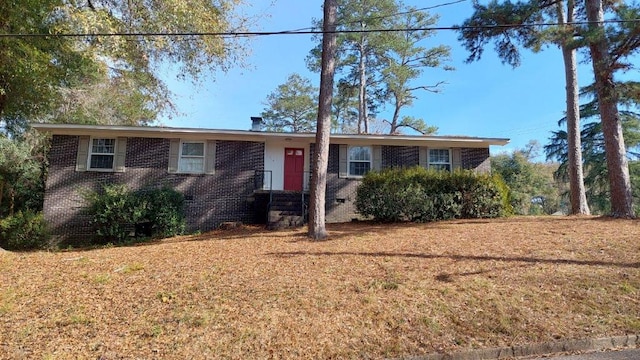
{"x": 605, "y": 59}
{"x": 511, "y": 24}
{"x": 405, "y": 62}
{"x": 593, "y": 146}
{"x": 317, "y": 220}
{"x": 292, "y": 106}
{"x": 380, "y": 67}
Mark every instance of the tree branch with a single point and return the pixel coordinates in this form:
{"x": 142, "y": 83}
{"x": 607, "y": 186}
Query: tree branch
{"x": 421, "y": 131}
{"x": 429, "y": 88}
{"x": 631, "y": 42}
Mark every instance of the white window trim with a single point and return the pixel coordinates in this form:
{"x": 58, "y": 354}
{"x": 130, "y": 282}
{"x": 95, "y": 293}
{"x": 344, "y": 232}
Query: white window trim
{"x": 349, "y": 161}
{"x": 90, "y": 153}
{"x": 450, "y": 163}
{"x": 204, "y": 156}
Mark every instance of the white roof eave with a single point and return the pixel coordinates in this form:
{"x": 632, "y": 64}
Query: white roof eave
{"x": 246, "y": 135}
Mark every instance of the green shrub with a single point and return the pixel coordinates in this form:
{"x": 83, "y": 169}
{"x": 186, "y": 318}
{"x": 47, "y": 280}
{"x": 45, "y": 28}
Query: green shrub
{"x": 113, "y": 212}
{"x": 116, "y": 211}
{"x": 23, "y": 231}
{"x": 418, "y": 194}
{"x": 163, "y": 210}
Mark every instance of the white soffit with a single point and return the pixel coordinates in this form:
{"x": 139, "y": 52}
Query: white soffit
{"x": 245, "y": 135}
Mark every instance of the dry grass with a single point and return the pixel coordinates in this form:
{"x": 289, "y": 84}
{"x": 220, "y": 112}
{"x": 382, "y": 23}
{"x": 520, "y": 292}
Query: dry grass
{"x": 371, "y": 291}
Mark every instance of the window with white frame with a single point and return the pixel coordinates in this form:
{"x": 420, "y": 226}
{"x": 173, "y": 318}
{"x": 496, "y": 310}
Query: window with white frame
{"x": 359, "y": 160}
{"x": 191, "y": 157}
{"x": 440, "y": 159}
{"x": 102, "y": 153}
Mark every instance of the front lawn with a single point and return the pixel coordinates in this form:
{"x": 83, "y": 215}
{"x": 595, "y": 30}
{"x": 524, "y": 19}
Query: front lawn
{"x": 371, "y": 291}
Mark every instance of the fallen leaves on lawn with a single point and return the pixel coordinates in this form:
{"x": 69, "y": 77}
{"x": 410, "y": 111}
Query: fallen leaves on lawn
{"x": 370, "y": 291}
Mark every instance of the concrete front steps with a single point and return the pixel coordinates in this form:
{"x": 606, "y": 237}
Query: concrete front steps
{"x": 284, "y": 219}
{"x": 286, "y": 211}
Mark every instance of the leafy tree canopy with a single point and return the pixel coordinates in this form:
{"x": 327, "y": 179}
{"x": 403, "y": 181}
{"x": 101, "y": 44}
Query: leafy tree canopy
{"x": 532, "y": 187}
{"x": 112, "y": 79}
{"x": 21, "y": 183}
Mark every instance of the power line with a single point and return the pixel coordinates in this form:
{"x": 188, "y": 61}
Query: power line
{"x": 410, "y": 11}
{"x": 308, "y": 32}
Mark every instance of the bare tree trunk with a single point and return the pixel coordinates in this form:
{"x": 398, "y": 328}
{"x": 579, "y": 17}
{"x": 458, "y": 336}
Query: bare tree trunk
{"x": 3, "y": 95}
{"x": 363, "y": 123}
{"x": 3, "y": 101}
{"x": 317, "y": 229}
{"x": 615, "y": 151}
{"x": 1, "y": 193}
{"x": 394, "y": 120}
{"x": 578, "y": 197}
{"x": 12, "y": 200}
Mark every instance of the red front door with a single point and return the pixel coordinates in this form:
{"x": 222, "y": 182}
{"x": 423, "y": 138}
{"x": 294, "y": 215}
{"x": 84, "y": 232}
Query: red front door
{"x": 293, "y": 169}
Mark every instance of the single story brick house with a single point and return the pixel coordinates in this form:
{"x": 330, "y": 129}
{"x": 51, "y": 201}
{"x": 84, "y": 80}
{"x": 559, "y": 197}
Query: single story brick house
{"x": 247, "y": 176}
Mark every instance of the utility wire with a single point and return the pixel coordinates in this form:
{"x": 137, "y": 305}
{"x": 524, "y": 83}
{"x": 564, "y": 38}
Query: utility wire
{"x": 310, "y": 32}
{"x": 411, "y": 11}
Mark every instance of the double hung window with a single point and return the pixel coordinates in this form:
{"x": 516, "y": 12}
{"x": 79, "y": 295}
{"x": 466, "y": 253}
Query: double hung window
{"x": 191, "y": 157}
{"x": 359, "y": 160}
{"x": 102, "y": 153}
{"x": 440, "y": 159}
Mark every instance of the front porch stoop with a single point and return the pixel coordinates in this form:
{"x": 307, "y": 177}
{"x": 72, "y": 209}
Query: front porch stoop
{"x": 286, "y": 211}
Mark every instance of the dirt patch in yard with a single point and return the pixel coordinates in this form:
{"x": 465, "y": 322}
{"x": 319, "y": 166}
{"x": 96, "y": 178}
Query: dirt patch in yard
{"x": 371, "y": 291}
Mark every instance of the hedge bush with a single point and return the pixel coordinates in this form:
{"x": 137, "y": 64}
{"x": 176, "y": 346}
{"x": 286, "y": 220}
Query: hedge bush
{"x": 163, "y": 210}
{"x": 117, "y": 211}
{"x": 421, "y": 195}
{"x": 24, "y": 230}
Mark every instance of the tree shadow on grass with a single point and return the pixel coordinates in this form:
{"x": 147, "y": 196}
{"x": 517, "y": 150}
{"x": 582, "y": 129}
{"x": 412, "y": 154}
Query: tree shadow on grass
{"x": 450, "y": 277}
{"x": 340, "y": 231}
{"x": 355, "y": 229}
{"x": 522, "y": 259}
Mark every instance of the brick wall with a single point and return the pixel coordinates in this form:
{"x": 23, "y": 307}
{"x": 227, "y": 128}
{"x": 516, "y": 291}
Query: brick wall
{"x": 476, "y": 159}
{"x": 210, "y": 199}
{"x": 400, "y": 156}
{"x": 341, "y": 192}
{"x": 406, "y": 156}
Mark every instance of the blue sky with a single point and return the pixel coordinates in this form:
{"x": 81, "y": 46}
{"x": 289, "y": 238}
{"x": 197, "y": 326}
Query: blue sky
{"x": 485, "y": 98}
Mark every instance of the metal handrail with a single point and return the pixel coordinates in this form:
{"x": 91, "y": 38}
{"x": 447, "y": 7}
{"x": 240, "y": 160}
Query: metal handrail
{"x": 306, "y": 186}
{"x": 263, "y": 180}
{"x": 306, "y": 181}
{"x": 260, "y": 183}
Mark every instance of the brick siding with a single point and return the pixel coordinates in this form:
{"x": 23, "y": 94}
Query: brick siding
{"x": 400, "y": 156}
{"x": 476, "y": 159}
{"x": 226, "y": 195}
{"x": 341, "y": 192}
{"x": 210, "y": 199}
{"x": 340, "y": 198}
